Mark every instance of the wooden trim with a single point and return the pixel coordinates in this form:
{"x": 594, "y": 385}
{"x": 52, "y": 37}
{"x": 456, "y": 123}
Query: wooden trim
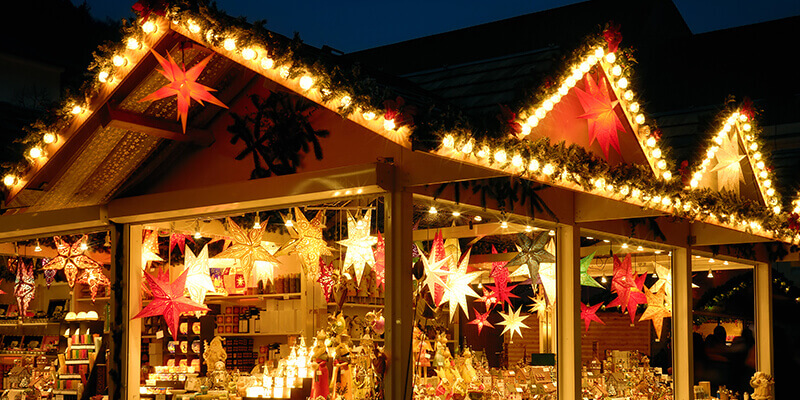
{"x": 682, "y": 339}
{"x": 762, "y": 276}
{"x": 115, "y": 118}
{"x": 568, "y": 320}
{"x": 36, "y": 224}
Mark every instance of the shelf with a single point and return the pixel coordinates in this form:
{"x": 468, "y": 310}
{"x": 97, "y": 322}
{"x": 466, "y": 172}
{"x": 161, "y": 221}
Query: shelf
{"x": 76, "y": 362}
{"x": 82, "y": 347}
{"x": 70, "y": 376}
{"x": 17, "y": 323}
{"x": 65, "y": 391}
{"x": 357, "y": 305}
{"x": 224, "y": 299}
{"x": 258, "y": 334}
{"x": 90, "y": 299}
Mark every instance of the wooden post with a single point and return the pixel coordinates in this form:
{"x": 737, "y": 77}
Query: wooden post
{"x": 116, "y": 347}
{"x": 398, "y": 311}
{"x": 568, "y": 322}
{"x": 682, "y": 352}
{"x": 131, "y": 304}
{"x": 762, "y": 276}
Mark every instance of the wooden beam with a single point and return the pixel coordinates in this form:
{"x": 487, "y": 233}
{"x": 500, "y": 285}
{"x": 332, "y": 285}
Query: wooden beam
{"x": 707, "y": 235}
{"x": 36, "y": 224}
{"x": 590, "y": 208}
{"x": 158, "y": 127}
{"x": 682, "y": 340}
{"x": 763, "y": 315}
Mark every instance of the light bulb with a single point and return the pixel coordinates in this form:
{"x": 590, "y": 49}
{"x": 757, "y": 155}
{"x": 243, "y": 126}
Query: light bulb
{"x": 624, "y": 245}
{"x": 49, "y": 138}
{"x": 467, "y": 148}
{"x": 478, "y": 218}
{"x": 149, "y": 27}
{"x": 504, "y": 224}
{"x": 345, "y": 101}
{"x": 76, "y": 110}
{"x": 102, "y": 76}
{"x": 640, "y": 248}
{"x": 9, "y": 180}
{"x": 710, "y": 274}
{"x": 388, "y": 124}
{"x": 610, "y": 58}
{"x": 604, "y": 279}
{"x": 133, "y": 43}
{"x": 35, "y": 152}
{"x": 267, "y": 63}
{"x": 534, "y": 165}
{"x": 197, "y": 234}
{"x": 306, "y": 82}
{"x": 622, "y": 83}
{"x": 229, "y": 44}
{"x": 656, "y": 153}
{"x": 628, "y": 95}
{"x": 548, "y": 169}
{"x": 552, "y": 232}
{"x": 500, "y": 156}
{"x": 432, "y": 210}
{"x": 528, "y": 228}
{"x": 639, "y": 119}
{"x": 369, "y": 115}
{"x": 747, "y": 127}
{"x": 449, "y": 141}
{"x": 616, "y": 70}
{"x": 119, "y": 60}
{"x": 249, "y": 54}
{"x": 547, "y": 105}
{"x": 289, "y": 223}
{"x": 456, "y": 214}
{"x": 257, "y": 223}
{"x": 37, "y": 248}
{"x": 516, "y": 160}
{"x": 84, "y": 246}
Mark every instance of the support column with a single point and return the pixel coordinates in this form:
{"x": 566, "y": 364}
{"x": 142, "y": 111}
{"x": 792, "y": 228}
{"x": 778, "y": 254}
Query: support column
{"x": 762, "y": 276}
{"x": 398, "y": 311}
{"x": 131, "y": 304}
{"x": 116, "y": 347}
{"x": 568, "y": 322}
{"x": 682, "y": 352}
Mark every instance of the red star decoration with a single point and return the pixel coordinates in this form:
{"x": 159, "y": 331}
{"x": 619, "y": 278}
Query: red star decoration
{"x": 24, "y": 287}
{"x": 184, "y": 85}
{"x": 488, "y": 298}
{"x": 481, "y": 320}
{"x": 325, "y": 278}
{"x": 169, "y": 301}
{"x": 599, "y": 110}
{"x": 439, "y": 254}
{"x": 628, "y": 287}
{"x": 95, "y": 278}
{"x": 588, "y": 314}
{"x": 70, "y": 258}
{"x": 501, "y": 289}
{"x": 499, "y": 271}
{"x": 179, "y": 239}
{"x": 380, "y": 262}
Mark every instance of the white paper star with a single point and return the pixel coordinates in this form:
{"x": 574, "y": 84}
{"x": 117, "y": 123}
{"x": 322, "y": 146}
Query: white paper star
{"x": 198, "y": 281}
{"x": 512, "y": 322}
{"x": 434, "y": 274}
{"x": 547, "y": 274}
{"x": 458, "y": 288}
{"x": 729, "y": 168}
{"x": 665, "y": 281}
{"x": 359, "y": 245}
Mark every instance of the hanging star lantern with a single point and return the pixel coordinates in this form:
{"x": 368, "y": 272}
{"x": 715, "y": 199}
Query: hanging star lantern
{"x": 586, "y": 279}
{"x": 458, "y": 286}
{"x": 247, "y": 247}
{"x": 183, "y": 84}
{"x": 179, "y": 240}
{"x": 627, "y": 286}
{"x": 380, "y": 262}
{"x": 531, "y": 253}
{"x": 729, "y": 166}
{"x": 263, "y": 271}
{"x": 656, "y": 310}
{"x": 499, "y": 272}
{"x": 309, "y": 244}
{"x": 95, "y": 279}
{"x": 359, "y": 245}
{"x": 49, "y": 277}
{"x": 547, "y": 275}
{"x": 481, "y": 320}
{"x": 150, "y": 248}
{"x": 435, "y": 274}
{"x": 599, "y": 111}
{"x": 513, "y": 322}
{"x": 198, "y": 279}
{"x": 325, "y": 278}
{"x": 488, "y": 298}
{"x": 70, "y": 258}
{"x": 589, "y": 314}
{"x": 664, "y": 281}
{"x": 440, "y": 253}
{"x": 501, "y": 289}
{"x": 24, "y": 287}
{"x": 539, "y": 305}
{"x": 169, "y": 301}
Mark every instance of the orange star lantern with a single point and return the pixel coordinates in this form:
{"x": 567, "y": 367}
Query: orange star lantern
{"x": 183, "y": 84}
{"x": 169, "y": 301}
{"x": 70, "y": 258}
{"x": 95, "y": 279}
{"x": 599, "y": 111}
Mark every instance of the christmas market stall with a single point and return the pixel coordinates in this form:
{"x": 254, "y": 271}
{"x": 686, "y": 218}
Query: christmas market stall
{"x": 240, "y": 215}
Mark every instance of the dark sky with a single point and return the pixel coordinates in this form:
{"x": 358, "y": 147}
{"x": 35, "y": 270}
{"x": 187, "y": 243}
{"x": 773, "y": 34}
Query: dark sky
{"x": 357, "y": 24}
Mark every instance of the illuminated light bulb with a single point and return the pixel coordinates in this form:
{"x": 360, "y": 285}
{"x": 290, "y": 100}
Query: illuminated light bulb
{"x": 584, "y": 67}
{"x": 369, "y": 115}
{"x": 336, "y": 194}
{"x": 666, "y": 201}
{"x": 306, "y": 82}
{"x": 656, "y": 153}
{"x": 547, "y": 105}
{"x": 432, "y": 210}
{"x": 661, "y": 164}
{"x": 132, "y": 43}
{"x": 628, "y": 95}
{"x": 624, "y": 190}
{"x": 548, "y": 169}
{"x": 516, "y": 161}
{"x": 9, "y": 180}
{"x": 763, "y": 174}
{"x": 622, "y": 83}
{"x": 455, "y": 214}
{"x": 532, "y": 121}
{"x": 360, "y": 190}
{"x": 193, "y": 27}
{"x": 710, "y": 274}
{"x": 197, "y": 234}
{"x": 656, "y": 199}
{"x": 267, "y": 63}
{"x": 592, "y": 59}
{"x": 640, "y": 248}
{"x": 149, "y": 27}
{"x": 604, "y": 279}
{"x": 754, "y": 146}
{"x": 599, "y": 52}
{"x": 616, "y": 70}
{"x": 37, "y": 248}
{"x": 467, "y": 148}
{"x": 624, "y": 245}
{"x": 570, "y": 82}
{"x": 563, "y": 90}
{"x": 718, "y": 139}
{"x": 500, "y": 156}
{"x": 767, "y": 183}
{"x": 528, "y": 228}
{"x": 284, "y": 73}
{"x": 229, "y": 44}
{"x": 102, "y": 76}
{"x": 388, "y": 124}
{"x": 747, "y": 127}
{"x": 76, "y": 110}
{"x": 551, "y": 233}
{"x": 600, "y": 183}
{"x": 757, "y": 155}
{"x": 526, "y": 130}
{"x": 760, "y": 165}
{"x": 477, "y": 218}
{"x": 49, "y": 138}
{"x": 257, "y": 223}
{"x": 667, "y": 175}
{"x": 249, "y": 54}
{"x": 289, "y": 223}
{"x": 776, "y": 209}
{"x": 610, "y": 58}
{"x": 636, "y": 192}
{"x": 483, "y": 152}
{"x": 504, "y": 225}
{"x": 770, "y": 192}
{"x": 634, "y": 107}
{"x": 534, "y": 165}
{"x": 84, "y": 246}
{"x": 35, "y": 152}
{"x": 639, "y": 119}
{"x": 449, "y": 141}
{"x": 119, "y": 60}
{"x": 540, "y": 112}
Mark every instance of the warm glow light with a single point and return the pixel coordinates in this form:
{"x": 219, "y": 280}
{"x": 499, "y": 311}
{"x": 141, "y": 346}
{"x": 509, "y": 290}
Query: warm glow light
{"x": 9, "y": 180}
{"x": 504, "y": 224}
{"x": 388, "y": 124}
{"x": 634, "y": 107}
{"x": 432, "y": 210}
{"x": 516, "y": 160}
{"x": 500, "y": 156}
{"x": 35, "y": 152}
{"x": 449, "y": 141}
{"x": 119, "y": 60}
{"x": 133, "y": 43}
{"x": 306, "y": 82}
{"x": 102, "y": 76}
{"x": 639, "y": 119}
{"x": 534, "y": 165}
{"x": 610, "y": 58}
{"x": 49, "y": 138}
{"x": 267, "y": 63}
{"x": 149, "y": 27}
{"x": 249, "y": 54}
{"x": 229, "y": 44}
{"x": 548, "y": 169}
{"x": 656, "y": 153}
{"x": 467, "y": 147}
{"x": 754, "y": 146}
{"x": 667, "y": 175}
{"x": 477, "y": 218}
{"x": 747, "y": 127}
{"x": 622, "y": 83}
{"x": 624, "y": 245}
{"x": 369, "y": 115}
{"x": 616, "y": 70}
{"x": 532, "y": 121}
{"x": 76, "y": 110}
{"x": 345, "y": 101}
{"x": 456, "y": 214}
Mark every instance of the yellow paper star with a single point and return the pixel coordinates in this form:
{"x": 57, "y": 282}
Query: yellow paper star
{"x": 729, "y": 167}
{"x": 198, "y": 280}
{"x": 150, "y": 249}
{"x": 70, "y": 258}
{"x": 309, "y": 244}
{"x": 656, "y": 310}
{"x": 513, "y": 322}
{"x": 263, "y": 271}
{"x": 457, "y": 288}
{"x": 539, "y": 305}
{"x": 359, "y": 245}
{"x": 664, "y": 281}
{"x": 247, "y": 247}
{"x": 547, "y": 274}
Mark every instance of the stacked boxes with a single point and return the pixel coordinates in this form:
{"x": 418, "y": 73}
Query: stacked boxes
{"x": 240, "y": 354}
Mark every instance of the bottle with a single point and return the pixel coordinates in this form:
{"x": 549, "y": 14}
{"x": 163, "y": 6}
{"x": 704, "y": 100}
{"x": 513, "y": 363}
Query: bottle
{"x": 244, "y": 323}
{"x": 257, "y": 321}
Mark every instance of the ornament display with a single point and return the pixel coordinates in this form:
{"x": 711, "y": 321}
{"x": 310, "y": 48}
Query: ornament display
{"x": 600, "y": 112}
{"x": 628, "y": 287}
{"x": 589, "y": 314}
{"x": 359, "y": 245}
{"x": 309, "y": 244}
{"x": 458, "y": 286}
{"x": 198, "y": 278}
{"x": 246, "y": 246}
{"x": 24, "y": 286}
{"x": 70, "y": 258}
{"x": 656, "y": 310}
{"x": 729, "y": 166}
{"x": 168, "y": 300}
{"x": 95, "y": 279}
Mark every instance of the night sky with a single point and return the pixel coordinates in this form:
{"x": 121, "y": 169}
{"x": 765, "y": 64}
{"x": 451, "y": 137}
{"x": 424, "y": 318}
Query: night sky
{"x": 355, "y": 25}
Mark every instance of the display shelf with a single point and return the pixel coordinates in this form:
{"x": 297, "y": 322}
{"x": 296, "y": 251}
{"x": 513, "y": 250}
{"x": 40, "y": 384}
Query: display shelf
{"x": 65, "y": 391}
{"x": 258, "y": 334}
{"x": 69, "y": 376}
{"x": 17, "y": 323}
{"x": 357, "y": 305}
{"x": 76, "y": 361}
{"x": 90, "y": 299}
{"x": 82, "y": 347}
{"x": 223, "y": 299}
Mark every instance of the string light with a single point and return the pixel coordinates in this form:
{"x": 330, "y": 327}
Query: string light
{"x": 35, "y": 152}
{"x": 289, "y": 222}
{"x": 149, "y": 27}
{"x": 49, "y": 138}
{"x": 456, "y": 214}
{"x": 267, "y": 63}
{"x": 133, "y": 43}
{"x": 306, "y": 82}
{"x": 76, "y": 109}
{"x": 197, "y": 234}
{"x": 249, "y": 54}
{"x": 257, "y": 223}
{"x": 388, "y": 124}
{"x": 102, "y": 76}
{"x": 229, "y": 44}
{"x": 504, "y": 224}
{"x": 9, "y": 180}
{"x": 119, "y": 60}
{"x": 84, "y": 246}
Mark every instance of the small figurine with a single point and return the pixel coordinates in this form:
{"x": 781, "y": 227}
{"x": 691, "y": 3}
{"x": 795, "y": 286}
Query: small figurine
{"x": 218, "y": 378}
{"x": 762, "y": 385}
{"x": 342, "y": 383}
{"x": 319, "y": 366}
{"x": 214, "y": 353}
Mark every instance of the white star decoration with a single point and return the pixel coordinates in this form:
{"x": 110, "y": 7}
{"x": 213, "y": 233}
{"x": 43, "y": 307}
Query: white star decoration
{"x": 547, "y": 274}
{"x": 665, "y": 281}
{"x": 512, "y": 322}
{"x": 729, "y": 167}
{"x": 434, "y": 274}
{"x": 359, "y": 245}
{"x": 457, "y": 288}
{"x": 198, "y": 281}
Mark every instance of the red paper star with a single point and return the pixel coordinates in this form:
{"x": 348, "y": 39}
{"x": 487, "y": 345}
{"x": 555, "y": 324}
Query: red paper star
{"x": 439, "y": 254}
{"x": 70, "y": 258}
{"x": 325, "y": 278}
{"x": 501, "y": 289}
{"x": 169, "y": 301}
{"x": 599, "y": 110}
{"x": 179, "y": 239}
{"x": 499, "y": 271}
{"x": 24, "y": 287}
{"x": 628, "y": 287}
{"x": 588, "y": 314}
{"x": 380, "y": 262}
{"x": 95, "y": 278}
{"x": 184, "y": 85}
{"x": 481, "y": 320}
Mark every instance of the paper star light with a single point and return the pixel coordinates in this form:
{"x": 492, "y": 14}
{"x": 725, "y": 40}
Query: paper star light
{"x": 435, "y": 275}
{"x": 488, "y": 299}
{"x": 531, "y": 253}
{"x": 198, "y": 279}
{"x": 24, "y": 287}
{"x": 481, "y": 320}
{"x": 150, "y": 249}
{"x": 586, "y": 279}
{"x": 70, "y": 258}
{"x": 539, "y": 305}
{"x": 95, "y": 279}
{"x": 599, "y": 111}
{"x": 359, "y": 245}
{"x": 309, "y": 244}
{"x": 729, "y": 166}
{"x": 246, "y": 246}
{"x": 501, "y": 291}
{"x": 183, "y": 84}
{"x": 664, "y": 281}
{"x": 656, "y": 310}
{"x": 49, "y": 277}
{"x": 627, "y": 286}
{"x": 458, "y": 286}
{"x": 380, "y": 262}
{"x": 169, "y": 301}
{"x": 513, "y": 322}
{"x": 547, "y": 275}
{"x": 589, "y": 314}
{"x": 179, "y": 240}
{"x": 439, "y": 252}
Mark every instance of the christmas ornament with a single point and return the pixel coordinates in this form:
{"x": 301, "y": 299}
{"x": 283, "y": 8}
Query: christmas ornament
{"x": 359, "y": 245}
{"x": 502, "y": 291}
{"x": 179, "y": 240}
{"x": 729, "y": 166}
{"x": 150, "y": 248}
{"x": 49, "y": 277}
{"x": 531, "y": 253}
{"x": 481, "y": 320}
{"x": 24, "y": 287}
{"x": 586, "y": 279}
{"x": 656, "y": 310}
{"x": 440, "y": 253}
{"x": 547, "y": 275}
{"x": 589, "y": 314}
{"x": 198, "y": 279}
{"x": 263, "y": 271}
{"x": 488, "y": 298}
{"x": 380, "y": 262}
{"x": 169, "y": 301}
{"x": 435, "y": 275}
{"x": 70, "y": 258}
{"x": 458, "y": 286}
{"x": 325, "y": 278}
{"x": 183, "y": 84}
{"x": 309, "y": 244}
{"x": 246, "y": 247}
{"x": 513, "y": 321}
{"x": 613, "y": 37}
{"x": 627, "y": 286}
{"x": 599, "y": 111}
{"x": 664, "y": 282}
{"x": 499, "y": 272}
{"x": 539, "y": 305}
{"x": 95, "y": 279}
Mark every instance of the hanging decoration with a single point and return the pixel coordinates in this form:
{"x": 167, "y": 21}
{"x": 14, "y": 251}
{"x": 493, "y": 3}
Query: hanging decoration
{"x": 481, "y": 320}
{"x": 263, "y": 271}
{"x": 589, "y": 314}
{"x": 656, "y": 310}
{"x": 179, "y": 240}
{"x": 488, "y": 298}
{"x": 513, "y": 321}
{"x": 247, "y": 247}
{"x": 95, "y": 279}
{"x": 169, "y": 301}
{"x": 628, "y": 287}
{"x": 458, "y": 286}
{"x": 547, "y": 275}
{"x": 309, "y": 244}
{"x": 380, "y": 262}
{"x": 440, "y": 254}
{"x": 539, "y": 305}
{"x": 501, "y": 291}
{"x": 729, "y": 166}
{"x": 359, "y": 245}
{"x": 150, "y": 249}
{"x": 586, "y": 279}
{"x": 70, "y": 258}
{"x": 49, "y": 277}
{"x": 24, "y": 287}
{"x": 198, "y": 279}
{"x": 599, "y": 111}
{"x": 531, "y": 253}
{"x": 664, "y": 282}
{"x": 183, "y": 84}
{"x": 326, "y": 279}
{"x": 435, "y": 274}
